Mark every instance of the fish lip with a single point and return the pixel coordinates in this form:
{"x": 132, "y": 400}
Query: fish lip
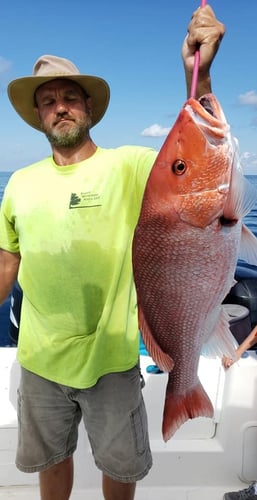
{"x": 207, "y": 114}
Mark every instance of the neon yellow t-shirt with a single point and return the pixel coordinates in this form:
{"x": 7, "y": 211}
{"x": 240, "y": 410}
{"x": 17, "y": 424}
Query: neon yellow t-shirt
{"x": 73, "y": 227}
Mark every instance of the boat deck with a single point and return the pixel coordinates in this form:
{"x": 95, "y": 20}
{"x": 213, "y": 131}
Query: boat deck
{"x": 205, "y": 458}
{"x": 214, "y": 493}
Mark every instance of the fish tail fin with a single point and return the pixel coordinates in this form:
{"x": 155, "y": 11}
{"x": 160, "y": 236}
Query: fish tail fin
{"x": 161, "y": 358}
{"x": 182, "y": 407}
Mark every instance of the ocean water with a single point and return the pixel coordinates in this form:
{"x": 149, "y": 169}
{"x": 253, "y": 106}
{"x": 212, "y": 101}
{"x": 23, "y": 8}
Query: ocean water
{"x": 251, "y": 219}
{"x": 4, "y": 176}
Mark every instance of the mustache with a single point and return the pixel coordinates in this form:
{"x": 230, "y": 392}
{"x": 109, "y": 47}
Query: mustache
{"x": 61, "y": 116}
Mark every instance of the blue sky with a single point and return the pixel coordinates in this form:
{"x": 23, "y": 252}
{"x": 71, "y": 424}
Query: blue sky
{"x": 136, "y": 47}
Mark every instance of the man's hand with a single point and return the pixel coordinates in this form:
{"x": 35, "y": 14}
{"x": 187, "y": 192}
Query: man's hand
{"x": 205, "y": 33}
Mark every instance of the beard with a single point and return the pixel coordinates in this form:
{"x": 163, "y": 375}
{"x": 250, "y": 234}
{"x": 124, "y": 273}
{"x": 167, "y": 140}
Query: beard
{"x": 72, "y": 137}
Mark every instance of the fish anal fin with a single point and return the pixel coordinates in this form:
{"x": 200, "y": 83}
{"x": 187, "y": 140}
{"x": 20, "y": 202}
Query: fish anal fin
{"x": 162, "y": 359}
{"x": 179, "y": 408}
{"x": 221, "y": 341}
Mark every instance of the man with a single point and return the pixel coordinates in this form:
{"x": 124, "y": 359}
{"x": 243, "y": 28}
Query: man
{"x": 66, "y": 227}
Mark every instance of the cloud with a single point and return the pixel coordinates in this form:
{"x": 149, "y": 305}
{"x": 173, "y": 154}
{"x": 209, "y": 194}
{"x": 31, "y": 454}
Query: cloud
{"x": 246, "y": 156}
{"x": 155, "y": 130}
{"x": 248, "y": 99}
{"x": 249, "y": 162}
{"x": 5, "y": 67}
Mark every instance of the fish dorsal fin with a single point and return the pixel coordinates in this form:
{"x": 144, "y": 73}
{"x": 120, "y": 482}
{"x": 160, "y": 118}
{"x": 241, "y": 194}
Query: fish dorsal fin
{"x": 162, "y": 359}
{"x": 248, "y": 246}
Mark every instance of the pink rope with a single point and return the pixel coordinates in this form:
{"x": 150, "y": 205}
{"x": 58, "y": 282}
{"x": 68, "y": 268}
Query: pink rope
{"x": 196, "y": 65}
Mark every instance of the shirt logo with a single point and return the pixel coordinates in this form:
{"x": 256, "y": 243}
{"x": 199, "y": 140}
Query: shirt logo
{"x": 84, "y": 200}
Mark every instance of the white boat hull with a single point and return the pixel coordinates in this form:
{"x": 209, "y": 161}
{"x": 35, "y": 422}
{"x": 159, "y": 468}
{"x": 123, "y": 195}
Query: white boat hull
{"x": 204, "y": 459}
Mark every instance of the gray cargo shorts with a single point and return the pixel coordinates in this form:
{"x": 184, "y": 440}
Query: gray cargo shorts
{"x": 114, "y": 416}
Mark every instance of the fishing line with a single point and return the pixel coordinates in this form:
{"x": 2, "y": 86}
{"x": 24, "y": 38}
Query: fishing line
{"x": 196, "y": 65}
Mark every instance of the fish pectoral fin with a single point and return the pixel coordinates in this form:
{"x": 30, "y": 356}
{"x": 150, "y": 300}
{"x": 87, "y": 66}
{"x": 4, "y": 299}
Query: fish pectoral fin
{"x": 248, "y": 246}
{"x": 161, "y": 358}
{"x": 221, "y": 342}
{"x": 181, "y": 407}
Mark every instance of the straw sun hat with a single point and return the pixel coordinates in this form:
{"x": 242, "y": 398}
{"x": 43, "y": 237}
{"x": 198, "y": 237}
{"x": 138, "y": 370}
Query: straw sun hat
{"x": 21, "y": 91}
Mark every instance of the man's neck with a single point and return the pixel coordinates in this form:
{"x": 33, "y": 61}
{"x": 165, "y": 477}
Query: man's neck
{"x": 68, "y": 156}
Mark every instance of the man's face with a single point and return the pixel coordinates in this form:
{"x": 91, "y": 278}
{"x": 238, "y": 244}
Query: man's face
{"x": 64, "y": 112}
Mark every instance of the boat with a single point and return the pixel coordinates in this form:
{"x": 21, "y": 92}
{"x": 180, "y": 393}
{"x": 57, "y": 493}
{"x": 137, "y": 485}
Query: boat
{"x": 204, "y": 459}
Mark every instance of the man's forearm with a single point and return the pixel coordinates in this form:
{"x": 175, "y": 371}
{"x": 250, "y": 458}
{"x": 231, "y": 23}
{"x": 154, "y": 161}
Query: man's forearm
{"x": 9, "y": 265}
{"x": 203, "y": 86}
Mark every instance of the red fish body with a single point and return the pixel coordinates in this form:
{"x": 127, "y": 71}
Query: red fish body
{"x": 185, "y": 250}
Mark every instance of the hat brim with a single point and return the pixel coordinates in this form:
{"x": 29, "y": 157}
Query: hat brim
{"x": 21, "y": 94}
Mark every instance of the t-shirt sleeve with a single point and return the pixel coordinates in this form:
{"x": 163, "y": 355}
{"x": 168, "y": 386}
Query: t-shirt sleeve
{"x": 8, "y": 234}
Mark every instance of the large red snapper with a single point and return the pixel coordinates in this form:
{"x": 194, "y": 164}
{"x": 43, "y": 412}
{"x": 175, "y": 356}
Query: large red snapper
{"x": 185, "y": 250}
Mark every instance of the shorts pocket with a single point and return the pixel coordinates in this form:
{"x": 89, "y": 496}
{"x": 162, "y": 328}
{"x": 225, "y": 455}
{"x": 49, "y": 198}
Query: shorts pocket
{"x": 139, "y": 428}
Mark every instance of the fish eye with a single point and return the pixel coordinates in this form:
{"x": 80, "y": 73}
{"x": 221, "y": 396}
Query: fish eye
{"x": 178, "y": 167}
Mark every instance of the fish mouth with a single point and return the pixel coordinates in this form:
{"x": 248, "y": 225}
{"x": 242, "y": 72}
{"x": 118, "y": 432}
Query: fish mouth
{"x": 216, "y": 121}
{"x": 212, "y": 107}
{"x": 207, "y": 104}
{"x": 207, "y": 114}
